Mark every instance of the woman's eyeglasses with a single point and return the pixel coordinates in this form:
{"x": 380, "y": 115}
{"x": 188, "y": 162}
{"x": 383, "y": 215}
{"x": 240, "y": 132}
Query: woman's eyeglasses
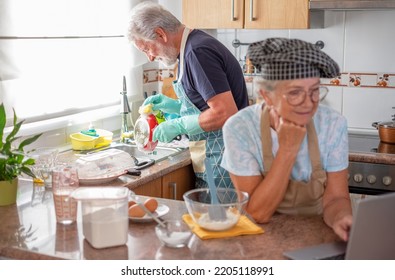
{"x": 298, "y": 96}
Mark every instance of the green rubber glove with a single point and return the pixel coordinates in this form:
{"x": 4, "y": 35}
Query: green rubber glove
{"x": 168, "y": 130}
{"x": 163, "y": 103}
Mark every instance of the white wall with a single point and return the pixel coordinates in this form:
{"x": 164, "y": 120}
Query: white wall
{"x": 360, "y": 41}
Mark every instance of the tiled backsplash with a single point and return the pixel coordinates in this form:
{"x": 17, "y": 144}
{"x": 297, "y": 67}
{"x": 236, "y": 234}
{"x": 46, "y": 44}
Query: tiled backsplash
{"x": 371, "y": 80}
{"x": 362, "y": 80}
{"x": 157, "y": 75}
{"x": 154, "y": 79}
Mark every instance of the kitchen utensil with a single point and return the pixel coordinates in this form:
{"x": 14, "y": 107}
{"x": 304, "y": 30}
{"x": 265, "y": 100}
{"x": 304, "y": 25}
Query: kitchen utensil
{"x": 133, "y": 172}
{"x": 159, "y": 212}
{"x": 45, "y": 160}
{"x": 216, "y": 212}
{"x": 103, "y": 165}
{"x": 102, "y": 180}
{"x": 198, "y": 203}
{"x": 144, "y": 130}
{"x": 81, "y": 142}
{"x": 386, "y": 131}
{"x": 148, "y": 212}
{"x": 139, "y": 163}
{"x": 64, "y": 182}
{"x": 175, "y": 233}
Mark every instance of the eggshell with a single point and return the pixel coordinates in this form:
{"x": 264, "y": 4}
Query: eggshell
{"x": 135, "y": 211}
{"x": 151, "y": 204}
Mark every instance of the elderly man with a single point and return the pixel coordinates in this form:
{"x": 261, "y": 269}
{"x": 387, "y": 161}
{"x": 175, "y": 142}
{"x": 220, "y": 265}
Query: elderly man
{"x": 210, "y": 85}
{"x": 291, "y": 153}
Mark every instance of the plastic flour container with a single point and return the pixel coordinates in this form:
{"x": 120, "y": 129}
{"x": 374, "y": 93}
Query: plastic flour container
{"x": 105, "y": 219}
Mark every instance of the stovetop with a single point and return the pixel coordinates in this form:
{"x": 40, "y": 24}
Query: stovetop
{"x": 369, "y": 144}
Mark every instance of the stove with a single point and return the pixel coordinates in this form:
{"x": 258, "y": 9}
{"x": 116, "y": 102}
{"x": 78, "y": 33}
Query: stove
{"x": 369, "y": 177}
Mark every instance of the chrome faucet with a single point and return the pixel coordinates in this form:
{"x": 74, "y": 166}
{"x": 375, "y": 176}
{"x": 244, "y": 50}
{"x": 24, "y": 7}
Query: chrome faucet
{"x": 127, "y": 126}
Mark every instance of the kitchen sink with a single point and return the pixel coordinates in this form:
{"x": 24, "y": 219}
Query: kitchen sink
{"x": 159, "y": 154}
{"x": 141, "y": 159}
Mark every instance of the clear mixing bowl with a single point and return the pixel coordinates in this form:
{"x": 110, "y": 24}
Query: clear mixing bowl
{"x": 231, "y": 205}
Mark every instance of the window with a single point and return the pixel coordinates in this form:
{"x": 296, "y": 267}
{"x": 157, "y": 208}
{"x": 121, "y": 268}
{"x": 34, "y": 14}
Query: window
{"x": 60, "y": 57}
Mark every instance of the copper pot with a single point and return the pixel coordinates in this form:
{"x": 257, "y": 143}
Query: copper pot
{"x": 386, "y": 131}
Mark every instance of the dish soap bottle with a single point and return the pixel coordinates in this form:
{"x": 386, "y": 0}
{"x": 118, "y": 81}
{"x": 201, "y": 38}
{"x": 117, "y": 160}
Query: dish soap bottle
{"x": 127, "y": 126}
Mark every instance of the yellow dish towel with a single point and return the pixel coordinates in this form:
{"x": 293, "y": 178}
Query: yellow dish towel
{"x": 243, "y": 227}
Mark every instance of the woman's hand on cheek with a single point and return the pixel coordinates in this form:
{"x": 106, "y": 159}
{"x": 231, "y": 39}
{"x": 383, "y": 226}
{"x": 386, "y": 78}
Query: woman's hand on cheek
{"x": 290, "y": 135}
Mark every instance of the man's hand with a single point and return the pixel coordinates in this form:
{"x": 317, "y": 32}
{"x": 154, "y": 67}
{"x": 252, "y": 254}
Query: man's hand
{"x": 168, "y": 130}
{"x": 163, "y": 103}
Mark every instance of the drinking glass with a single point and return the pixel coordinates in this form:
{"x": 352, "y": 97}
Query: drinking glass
{"x": 45, "y": 160}
{"x": 64, "y": 182}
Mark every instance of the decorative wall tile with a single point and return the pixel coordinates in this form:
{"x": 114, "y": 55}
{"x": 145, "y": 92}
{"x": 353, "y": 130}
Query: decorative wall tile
{"x": 363, "y": 80}
{"x": 386, "y": 80}
{"x": 157, "y": 75}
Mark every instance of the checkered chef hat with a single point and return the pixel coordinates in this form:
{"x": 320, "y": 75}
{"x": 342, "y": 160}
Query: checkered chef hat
{"x": 288, "y": 59}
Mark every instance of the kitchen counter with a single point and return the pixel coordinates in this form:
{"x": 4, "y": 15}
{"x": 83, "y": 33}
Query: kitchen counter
{"x": 148, "y": 174}
{"x": 381, "y": 158}
{"x": 29, "y": 231}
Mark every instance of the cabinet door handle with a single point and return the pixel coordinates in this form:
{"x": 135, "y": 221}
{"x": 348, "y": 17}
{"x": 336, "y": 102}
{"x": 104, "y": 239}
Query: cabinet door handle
{"x": 252, "y": 10}
{"x": 232, "y": 12}
{"x": 173, "y": 186}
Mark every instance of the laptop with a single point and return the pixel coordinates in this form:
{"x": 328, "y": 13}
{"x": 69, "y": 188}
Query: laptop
{"x": 372, "y": 235}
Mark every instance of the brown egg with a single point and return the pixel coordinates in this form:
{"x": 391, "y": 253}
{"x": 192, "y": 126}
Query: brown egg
{"x": 131, "y": 203}
{"x": 151, "y": 204}
{"x": 135, "y": 211}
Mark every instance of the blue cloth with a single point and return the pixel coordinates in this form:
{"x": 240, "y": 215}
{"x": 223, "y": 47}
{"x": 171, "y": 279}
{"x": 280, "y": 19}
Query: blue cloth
{"x": 243, "y": 147}
{"x": 210, "y": 68}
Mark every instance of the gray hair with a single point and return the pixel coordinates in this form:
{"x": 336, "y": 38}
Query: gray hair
{"x": 145, "y": 17}
{"x": 266, "y": 85}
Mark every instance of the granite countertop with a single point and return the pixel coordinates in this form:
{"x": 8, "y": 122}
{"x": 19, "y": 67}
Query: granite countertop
{"x": 148, "y": 174}
{"x": 381, "y": 158}
{"x": 29, "y": 231}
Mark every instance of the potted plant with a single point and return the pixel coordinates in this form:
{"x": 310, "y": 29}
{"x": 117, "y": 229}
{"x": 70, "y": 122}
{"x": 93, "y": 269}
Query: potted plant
{"x": 13, "y": 159}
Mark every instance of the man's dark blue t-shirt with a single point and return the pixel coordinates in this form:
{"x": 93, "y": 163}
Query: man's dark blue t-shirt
{"x": 209, "y": 69}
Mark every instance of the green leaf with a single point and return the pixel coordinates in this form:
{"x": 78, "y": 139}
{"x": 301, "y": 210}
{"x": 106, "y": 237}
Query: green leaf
{"x": 2, "y": 123}
{"x": 14, "y": 161}
{"x": 28, "y": 141}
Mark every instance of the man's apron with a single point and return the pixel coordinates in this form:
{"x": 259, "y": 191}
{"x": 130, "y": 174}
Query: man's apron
{"x": 203, "y": 145}
{"x": 301, "y": 198}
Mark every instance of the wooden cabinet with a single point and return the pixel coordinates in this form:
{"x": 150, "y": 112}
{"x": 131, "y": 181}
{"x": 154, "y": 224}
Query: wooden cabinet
{"x": 252, "y": 14}
{"x": 172, "y": 185}
{"x": 176, "y": 183}
{"x": 153, "y": 188}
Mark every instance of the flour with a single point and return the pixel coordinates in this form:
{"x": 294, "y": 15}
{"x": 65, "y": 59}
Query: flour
{"x": 231, "y": 219}
{"x": 105, "y": 228}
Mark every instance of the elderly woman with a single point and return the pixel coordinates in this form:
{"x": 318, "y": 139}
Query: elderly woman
{"x": 290, "y": 153}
